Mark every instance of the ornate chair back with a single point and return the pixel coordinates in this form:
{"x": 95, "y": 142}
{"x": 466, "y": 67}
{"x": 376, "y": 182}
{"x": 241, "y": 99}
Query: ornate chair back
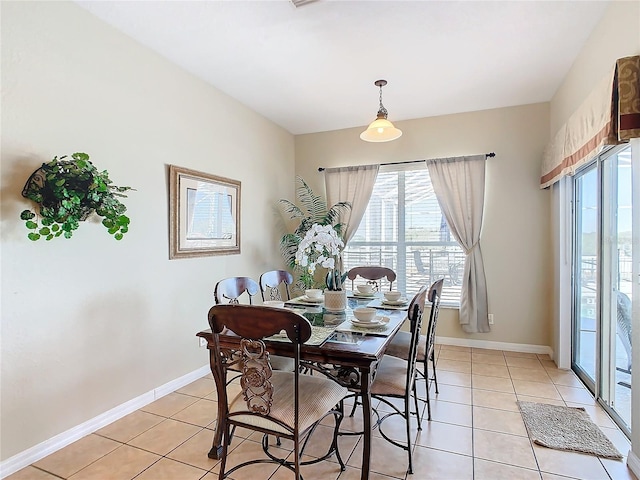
{"x": 230, "y": 289}
{"x": 373, "y": 274}
{"x": 270, "y": 284}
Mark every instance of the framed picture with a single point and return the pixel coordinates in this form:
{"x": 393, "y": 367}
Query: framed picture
{"x": 204, "y": 213}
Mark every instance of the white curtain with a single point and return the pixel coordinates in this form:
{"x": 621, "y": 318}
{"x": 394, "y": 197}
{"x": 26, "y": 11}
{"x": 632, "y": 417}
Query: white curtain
{"x": 459, "y": 186}
{"x": 353, "y": 185}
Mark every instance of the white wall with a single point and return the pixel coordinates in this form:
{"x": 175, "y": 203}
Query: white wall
{"x": 616, "y": 36}
{"x": 89, "y": 323}
{"x": 515, "y": 237}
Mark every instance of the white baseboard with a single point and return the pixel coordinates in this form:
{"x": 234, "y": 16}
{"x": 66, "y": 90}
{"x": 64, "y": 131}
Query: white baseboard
{"x": 633, "y": 462}
{"x": 509, "y": 347}
{"x": 41, "y": 450}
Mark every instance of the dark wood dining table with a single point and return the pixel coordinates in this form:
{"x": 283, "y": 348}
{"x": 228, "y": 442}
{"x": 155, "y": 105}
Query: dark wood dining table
{"x": 349, "y": 356}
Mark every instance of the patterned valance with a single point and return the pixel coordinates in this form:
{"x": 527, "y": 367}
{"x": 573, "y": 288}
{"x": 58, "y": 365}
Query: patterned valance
{"x": 608, "y": 116}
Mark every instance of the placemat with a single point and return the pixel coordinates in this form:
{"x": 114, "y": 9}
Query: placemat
{"x": 318, "y": 336}
{"x": 381, "y": 331}
{"x": 377, "y": 303}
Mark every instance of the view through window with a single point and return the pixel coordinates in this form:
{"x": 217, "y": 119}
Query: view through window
{"x": 404, "y": 229}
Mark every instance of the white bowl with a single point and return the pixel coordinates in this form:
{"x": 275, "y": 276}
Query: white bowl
{"x": 393, "y": 295}
{"x": 365, "y": 314}
{"x": 273, "y": 303}
{"x": 313, "y": 293}
{"x": 365, "y": 288}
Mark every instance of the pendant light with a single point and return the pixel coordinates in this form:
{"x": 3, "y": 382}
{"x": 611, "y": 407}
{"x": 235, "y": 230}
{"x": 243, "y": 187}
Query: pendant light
{"x": 381, "y": 129}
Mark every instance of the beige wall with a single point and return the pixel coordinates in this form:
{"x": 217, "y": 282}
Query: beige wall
{"x": 515, "y": 238}
{"x": 89, "y": 323}
{"x": 617, "y": 35}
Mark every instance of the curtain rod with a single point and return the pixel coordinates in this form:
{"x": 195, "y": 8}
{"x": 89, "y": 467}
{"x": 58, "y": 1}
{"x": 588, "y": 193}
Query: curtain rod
{"x": 487, "y": 155}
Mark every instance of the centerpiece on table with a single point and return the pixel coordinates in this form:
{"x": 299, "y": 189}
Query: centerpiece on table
{"x": 322, "y": 246}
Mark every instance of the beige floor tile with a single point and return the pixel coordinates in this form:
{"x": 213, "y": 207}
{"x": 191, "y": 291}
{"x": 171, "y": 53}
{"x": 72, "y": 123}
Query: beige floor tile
{"x": 383, "y": 451}
{"x": 597, "y": 414}
{"x": 499, "y": 421}
{"x": 551, "y": 476}
{"x": 499, "y": 400}
{"x": 451, "y": 393}
{"x": 523, "y": 362}
{"x": 444, "y": 436}
{"x": 520, "y": 354}
{"x": 563, "y": 378}
{"x": 130, "y": 426}
{"x": 458, "y": 355}
{"x": 549, "y": 401}
{"x": 318, "y": 471}
{"x": 490, "y": 370}
{"x": 570, "y": 464}
{"x": 617, "y": 469}
{"x": 503, "y": 448}
{"x": 199, "y": 388}
{"x": 31, "y": 473}
{"x": 124, "y": 463}
{"x": 487, "y": 351}
{"x": 456, "y": 348}
{"x": 453, "y": 378}
{"x": 450, "y": 412}
{"x": 201, "y": 413}
{"x": 166, "y": 469}
{"x": 355, "y": 474}
{"x": 76, "y": 456}
{"x": 497, "y": 384}
{"x": 618, "y": 438}
{"x": 169, "y": 405}
{"x": 248, "y": 450}
{"x": 194, "y": 451}
{"x": 529, "y": 374}
{"x": 431, "y": 464}
{"x": 544, "y": 390}
{"x": 543, "y": 357}
{"x": 453, "y": 366}
{"x": 485, "y": 359}
{"x": 576, "y": 395}
{"x": 165, "y": 436}
{"x": 486, "y": 470}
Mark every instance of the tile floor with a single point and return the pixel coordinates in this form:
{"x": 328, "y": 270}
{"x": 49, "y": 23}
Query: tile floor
{"x": 476, "y": 433}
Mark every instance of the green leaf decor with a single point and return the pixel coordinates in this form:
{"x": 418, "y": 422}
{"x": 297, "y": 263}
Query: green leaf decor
{"x": 67, "y": 191}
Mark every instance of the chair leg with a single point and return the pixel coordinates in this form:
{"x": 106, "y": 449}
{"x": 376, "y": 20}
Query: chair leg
{"x": 415, "y": 399}
{"x": 355, "y": 404}
{"x": 426, "y": 376}
{"x": 407, "y": 419}
{"x": 435, "y": 375}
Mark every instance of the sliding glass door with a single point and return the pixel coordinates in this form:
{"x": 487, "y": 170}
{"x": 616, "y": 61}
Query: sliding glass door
{"x": 602, "y": 281}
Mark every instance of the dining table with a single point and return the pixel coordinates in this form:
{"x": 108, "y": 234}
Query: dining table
{"x": 340, "y": 348}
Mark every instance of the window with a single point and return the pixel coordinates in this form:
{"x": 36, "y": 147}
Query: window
{"x": 404, "y": 229}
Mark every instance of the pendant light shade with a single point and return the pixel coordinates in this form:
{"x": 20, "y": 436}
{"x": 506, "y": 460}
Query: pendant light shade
{"x": 381, "y": 129}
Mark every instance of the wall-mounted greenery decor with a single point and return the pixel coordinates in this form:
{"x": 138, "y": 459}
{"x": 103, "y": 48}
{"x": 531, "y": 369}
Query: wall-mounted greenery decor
{"x": 67, "y": 192}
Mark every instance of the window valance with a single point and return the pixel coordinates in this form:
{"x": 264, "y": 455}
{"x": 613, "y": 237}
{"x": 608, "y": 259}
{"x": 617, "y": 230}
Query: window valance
{"x": 610, "y": 115}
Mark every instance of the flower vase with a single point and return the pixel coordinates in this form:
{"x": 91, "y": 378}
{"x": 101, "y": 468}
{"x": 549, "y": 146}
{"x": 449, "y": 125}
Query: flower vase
{"x": 335, "y": 300}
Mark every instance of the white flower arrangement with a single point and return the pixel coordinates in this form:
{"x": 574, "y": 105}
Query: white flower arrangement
{"x": 320, "y": 246}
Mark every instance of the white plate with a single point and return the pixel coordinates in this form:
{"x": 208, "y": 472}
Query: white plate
{"x": 364, "y": 295}
{"x": 312, "y": 300}
{"x": 402, "y": 301}
{"x": 377, "y": 322}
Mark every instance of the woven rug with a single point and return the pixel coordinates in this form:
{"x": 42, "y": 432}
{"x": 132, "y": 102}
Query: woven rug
{"x": 565, "y": 428}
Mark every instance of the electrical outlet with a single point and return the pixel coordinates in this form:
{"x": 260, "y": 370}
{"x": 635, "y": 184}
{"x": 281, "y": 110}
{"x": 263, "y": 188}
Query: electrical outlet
{"x": 203, "y": 341}
{"x": 491, "y": 319}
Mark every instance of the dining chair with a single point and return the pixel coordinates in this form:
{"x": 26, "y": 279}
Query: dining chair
{"x": 373, "y": 274}
{"x": 230, "y": 289}
{"x": 395, "y": 379}
{"x": 283, "y": 404}
{"x": 400, "y": 346}
{"x": 273, "y": 282}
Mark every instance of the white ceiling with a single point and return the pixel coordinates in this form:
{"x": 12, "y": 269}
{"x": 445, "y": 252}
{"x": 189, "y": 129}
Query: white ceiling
{"x": 312, "y": 68}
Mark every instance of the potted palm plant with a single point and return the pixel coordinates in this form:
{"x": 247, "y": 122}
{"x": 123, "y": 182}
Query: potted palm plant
{"x": 312, "y": 210}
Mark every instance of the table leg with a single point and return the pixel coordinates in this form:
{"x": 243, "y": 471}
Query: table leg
{"x": 216, "y": 447}
{"x": 365, "y": 392}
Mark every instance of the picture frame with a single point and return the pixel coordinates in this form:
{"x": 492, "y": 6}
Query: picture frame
{"x": 204, "y": 214}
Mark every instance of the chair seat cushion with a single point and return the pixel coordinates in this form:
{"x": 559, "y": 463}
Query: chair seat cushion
{"x": 391, "y": 377}
{"x": 318, "y": 396}
{"x": 399, "y": 346}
